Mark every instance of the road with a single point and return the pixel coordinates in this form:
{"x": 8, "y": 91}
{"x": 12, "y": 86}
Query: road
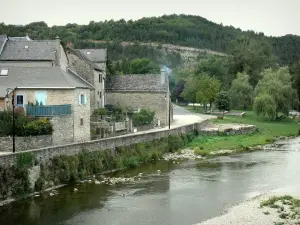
{"x": 182, "y": 116}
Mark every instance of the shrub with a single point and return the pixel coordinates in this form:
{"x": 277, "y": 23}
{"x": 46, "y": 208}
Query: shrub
{"x": 144, "y": 117}
{"x": 100, "y": 112}
{"x": 38, "y": 127}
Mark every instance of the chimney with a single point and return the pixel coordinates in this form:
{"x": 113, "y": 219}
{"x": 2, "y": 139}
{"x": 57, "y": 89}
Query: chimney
{"x": 163, "y": 76}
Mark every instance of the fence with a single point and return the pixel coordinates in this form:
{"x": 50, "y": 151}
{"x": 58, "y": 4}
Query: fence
{"x": 48, "y": 110}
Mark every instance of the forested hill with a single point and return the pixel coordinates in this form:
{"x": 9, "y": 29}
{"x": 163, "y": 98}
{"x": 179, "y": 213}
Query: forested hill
{"x": 184, "y": 30}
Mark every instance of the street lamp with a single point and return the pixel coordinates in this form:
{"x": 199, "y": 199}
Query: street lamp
{"x": 170, "y": 112}
{"x": 8, "y": 90}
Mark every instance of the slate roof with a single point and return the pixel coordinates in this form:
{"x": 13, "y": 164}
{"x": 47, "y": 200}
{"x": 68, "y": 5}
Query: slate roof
{"x": 83, "y": 57}
{"x": 29, "y": 50}
{"x": 40, "y": 77}
{"x": 94, "y": 55}
{"x": 136, "y": 83}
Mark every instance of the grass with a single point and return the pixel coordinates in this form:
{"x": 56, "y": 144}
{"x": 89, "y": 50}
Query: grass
{"x": 288, "y": 207}
{"x": 267, "y": 132}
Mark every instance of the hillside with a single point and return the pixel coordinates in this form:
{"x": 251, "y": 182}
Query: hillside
{"x": 184, "y": 30}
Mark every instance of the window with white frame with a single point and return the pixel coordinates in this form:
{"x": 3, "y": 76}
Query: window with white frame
{"x": 82, "y": 99}
{"x": 3, "y": 72}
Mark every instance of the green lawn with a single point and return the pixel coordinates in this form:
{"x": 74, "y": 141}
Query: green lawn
{"x": 267, "y": 132}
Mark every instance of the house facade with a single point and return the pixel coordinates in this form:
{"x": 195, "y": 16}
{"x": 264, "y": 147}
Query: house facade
{"x": 43, "y": 85}
{"x": 90, "y": 64}
{"x": 150, "y": 91}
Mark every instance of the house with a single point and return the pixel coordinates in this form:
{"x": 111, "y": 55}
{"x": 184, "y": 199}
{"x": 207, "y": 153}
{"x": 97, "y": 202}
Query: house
{"x": 38, "y": 72}
{"x": 149, "y": 91}
{"x": 90, "y": 64}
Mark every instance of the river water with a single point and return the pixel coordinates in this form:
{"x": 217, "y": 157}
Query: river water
{"x": 183, "y": 194}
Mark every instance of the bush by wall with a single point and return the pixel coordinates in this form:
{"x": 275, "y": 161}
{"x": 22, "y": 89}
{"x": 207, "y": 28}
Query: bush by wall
{"x": 24, "y": 126}
{"x": 144, "y": 117}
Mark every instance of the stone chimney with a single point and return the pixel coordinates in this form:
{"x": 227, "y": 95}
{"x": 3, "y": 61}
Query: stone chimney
{"x": 163, "y": 76}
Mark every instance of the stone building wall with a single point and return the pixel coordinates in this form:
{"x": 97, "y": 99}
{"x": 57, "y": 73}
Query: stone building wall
{"x": 81, "y": 116}
{"x": 63, "y": 130}
{"x": 156, "y": 101}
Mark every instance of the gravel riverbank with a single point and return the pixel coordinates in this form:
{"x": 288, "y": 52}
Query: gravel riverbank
{"x": 250, "y": 212}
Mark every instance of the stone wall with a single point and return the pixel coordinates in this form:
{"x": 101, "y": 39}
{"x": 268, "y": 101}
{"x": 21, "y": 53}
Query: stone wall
{"x": 25, "y": 143}
{"x": 156, "y": 101}
{"x": 45, "y": 154}
{"x": 63, "y": 131}
{"x": 81, "y": 116}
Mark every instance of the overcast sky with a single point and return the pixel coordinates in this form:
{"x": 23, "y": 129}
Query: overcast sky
{"x": 273, "y": 17}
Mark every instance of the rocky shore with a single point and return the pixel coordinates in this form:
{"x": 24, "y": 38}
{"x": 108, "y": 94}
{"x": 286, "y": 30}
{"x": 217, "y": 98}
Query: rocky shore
{"x": 261, "y": 210}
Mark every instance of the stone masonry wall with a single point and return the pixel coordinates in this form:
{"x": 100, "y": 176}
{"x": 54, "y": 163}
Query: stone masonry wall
{"x": 152, "y": 100}
{"x": 63, "y": 131}
{"x": 81, "y": 113}
{"x": 45, "y": 154}
{"x": 25, "y": 143}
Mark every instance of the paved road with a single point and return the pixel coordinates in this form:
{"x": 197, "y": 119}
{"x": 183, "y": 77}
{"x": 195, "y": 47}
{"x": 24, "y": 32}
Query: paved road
{"x": 182, "y": 116}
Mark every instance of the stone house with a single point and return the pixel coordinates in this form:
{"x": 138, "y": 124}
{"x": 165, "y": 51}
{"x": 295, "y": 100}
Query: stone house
{"x": 149, "y": 91}
{"x": 38, "y": 72}
{"x": 90, "y": 64}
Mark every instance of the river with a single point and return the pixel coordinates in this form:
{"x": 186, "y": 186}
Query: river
{"x": 183, "y": 194}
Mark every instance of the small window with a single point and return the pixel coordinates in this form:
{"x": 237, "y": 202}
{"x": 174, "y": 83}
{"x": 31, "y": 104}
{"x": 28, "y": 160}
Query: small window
{"x": 88, "y": 53}
{"x": 20, "y": 100}
{"x": 100, "y": 94}
{"x": 82, "y": 99}
{"x": 26, "y": 46}
{"x": 4, "y": 72}
{"x": 100, "y": 78}
{"x": 81, "y": 121}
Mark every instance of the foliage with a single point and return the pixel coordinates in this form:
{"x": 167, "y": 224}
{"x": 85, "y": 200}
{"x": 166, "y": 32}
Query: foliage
{"x": 143, "y": 66}
{"x": 265, "y": 106}
{"x": 222, "y": 101}
{"x": 24, "y": 126}
{"x": 295, "y": 73}
{"x": 215, "y": 66}
{"x": 100, "y": 112}
{"x": 278, "y": 86}
{"x": 144, "y": 117}
{"x": 267, "y": 132}
{"x": 41, "y": 126}
{"x": 251, "y": 56}
{"x": 241, "y": 92}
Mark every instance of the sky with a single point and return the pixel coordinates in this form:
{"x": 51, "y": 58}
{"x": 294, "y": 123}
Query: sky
{"x": 272, "y": 17}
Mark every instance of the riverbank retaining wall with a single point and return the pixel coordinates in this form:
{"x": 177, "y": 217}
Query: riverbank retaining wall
{"x": 44, "y": 154}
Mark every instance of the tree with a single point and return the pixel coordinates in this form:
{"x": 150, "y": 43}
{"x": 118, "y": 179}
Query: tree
{"x": 265, "y": 106}
{"x": 207, "y": 89}
{"x": 143, "y": 66}
{"x": 215, "y": 66}
{"x": 251, "y": 56}
{"x": 241, "y": 92}
{"x": 277, "y": 85}
{"x": 295, "y": 73}
{"x": 222, "y": 101}
{"x": 190, "y": 89}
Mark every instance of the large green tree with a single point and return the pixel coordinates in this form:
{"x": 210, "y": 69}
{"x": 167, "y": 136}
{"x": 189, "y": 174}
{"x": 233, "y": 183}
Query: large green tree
{"x": 241, "y": 92}
{"x": 275, "y": 84}
{"x": 251, "y": 56}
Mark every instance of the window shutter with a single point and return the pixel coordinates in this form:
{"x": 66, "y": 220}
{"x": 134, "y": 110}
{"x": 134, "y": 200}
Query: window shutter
{"x": 85, "y": 99}
{"x": 79, "y": 99}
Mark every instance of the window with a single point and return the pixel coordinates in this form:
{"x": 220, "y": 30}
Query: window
{"x": 81, "y": 121}
{"x": 40, "y": 97}
{"x": 88, "y": 53}
{"x": 100, "y": 78}
{"x": 3, "y": 72}
{"x": 100, "y": 94}
{"x": 82, "y": 99}
{"x": 20, "y": 100}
